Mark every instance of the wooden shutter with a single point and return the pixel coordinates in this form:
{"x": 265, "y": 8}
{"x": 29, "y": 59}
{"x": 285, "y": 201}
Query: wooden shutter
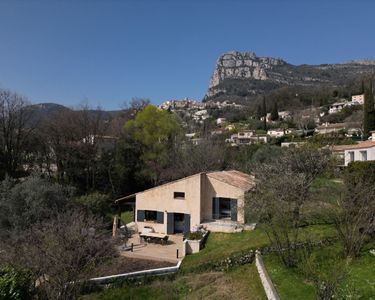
{"x": 233, "y": 209}
{"x": 186, "y": 223}
{"x": 140, "y": 215}
{"x": 170, "y": 223}
{"x": 160, "y": 217}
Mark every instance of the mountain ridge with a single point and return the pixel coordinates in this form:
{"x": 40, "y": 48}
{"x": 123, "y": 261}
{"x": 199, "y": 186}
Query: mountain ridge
{"x": 249, "y": 74}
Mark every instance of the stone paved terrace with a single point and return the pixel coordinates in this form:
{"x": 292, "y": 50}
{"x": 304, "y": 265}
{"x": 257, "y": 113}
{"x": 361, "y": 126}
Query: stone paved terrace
{"x": 155, "y": 251}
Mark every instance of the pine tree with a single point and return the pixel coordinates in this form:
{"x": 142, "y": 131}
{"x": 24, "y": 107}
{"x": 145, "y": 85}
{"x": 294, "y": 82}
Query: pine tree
{"x": 275, "y": 112}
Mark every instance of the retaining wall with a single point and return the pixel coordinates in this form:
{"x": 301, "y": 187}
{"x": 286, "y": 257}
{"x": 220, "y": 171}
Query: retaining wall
{"x": 151, "y": 272}
{"x": 265, "y": 279}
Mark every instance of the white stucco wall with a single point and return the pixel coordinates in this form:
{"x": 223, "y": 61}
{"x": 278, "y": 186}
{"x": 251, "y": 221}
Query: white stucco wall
{"x": 215, "y": 188}
{"x": 358, "y": 156}
{"x": 161, "y": 198}
{"x": 199, "y": 191}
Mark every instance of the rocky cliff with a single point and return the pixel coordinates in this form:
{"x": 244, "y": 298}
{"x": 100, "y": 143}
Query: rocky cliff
{"x": 240, "y": 74}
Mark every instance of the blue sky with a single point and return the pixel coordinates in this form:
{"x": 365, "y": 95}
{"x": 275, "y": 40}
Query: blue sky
{"x": 106, "y": 52}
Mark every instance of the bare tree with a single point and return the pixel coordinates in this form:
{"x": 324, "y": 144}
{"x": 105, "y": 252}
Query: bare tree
{"x": 189, "y": 159}
{"x": 283, "y": 188}
{"x": 14, "y": 129}
{"x": 354, "y": 216}
{"x": 90, "y": 128}
{"x": 61, "y": 138}
{"x": 61, "y": 253}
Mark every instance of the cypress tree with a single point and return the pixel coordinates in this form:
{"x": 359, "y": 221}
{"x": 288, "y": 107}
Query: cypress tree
{"x": 264, "y": 113}
{"x": 259, "y": 112}
{"x": 275, "y": 112}
{"x": 368, "y": 111}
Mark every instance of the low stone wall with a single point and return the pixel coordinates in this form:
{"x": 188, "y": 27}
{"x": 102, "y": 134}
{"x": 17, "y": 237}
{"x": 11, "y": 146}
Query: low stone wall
{"x": 265, "y": 279}
{"x": 144, "y": 273}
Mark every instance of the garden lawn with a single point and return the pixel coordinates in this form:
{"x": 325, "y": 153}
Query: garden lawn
{"x": 221, "y": 245}
{"x": 288, "y": 283}
{"x": 292, "y": 284}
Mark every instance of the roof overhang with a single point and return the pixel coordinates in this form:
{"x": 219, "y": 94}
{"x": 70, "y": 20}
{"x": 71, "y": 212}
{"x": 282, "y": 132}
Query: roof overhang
{"x": 126, "y": 198}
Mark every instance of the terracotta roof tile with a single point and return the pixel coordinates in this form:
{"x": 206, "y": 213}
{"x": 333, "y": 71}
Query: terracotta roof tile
{"x": 361, "y": 145}
{"x": 235, "y": 178}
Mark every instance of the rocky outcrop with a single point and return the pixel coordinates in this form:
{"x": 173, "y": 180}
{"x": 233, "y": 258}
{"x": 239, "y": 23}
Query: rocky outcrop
{"x": 242, "y": 65}
{"x": 244, "y": 73}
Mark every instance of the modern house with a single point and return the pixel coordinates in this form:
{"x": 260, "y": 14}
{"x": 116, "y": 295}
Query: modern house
{"x": 358, "y": 98}
{"x": 362, "y": 151}
{"x": 184, "y": 204}
{"x": 279, "y": 132}
{"x": 337, "y": 107}
{"x": 330, "y": 128}
{"x": 247, "y": 137}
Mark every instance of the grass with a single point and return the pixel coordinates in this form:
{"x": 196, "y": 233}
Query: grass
{"x": 288, "y": 284}
{"x": 235, "y": 284}
{"x": 221, "y": 245}
{"x": 238, "y": 283}
{"x": 127, "y": 217}
{"x": 293, "y": 284}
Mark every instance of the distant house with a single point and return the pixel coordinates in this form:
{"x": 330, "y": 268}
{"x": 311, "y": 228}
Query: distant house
{"x": 220, "y": 121}
{"x": 330, "y": 128}
{"x": 184, "y": 204}
{"x": 218, "y": 131}
{"x": 336, "y": 107}
{"x": 230, "y": 127}
{"x": 279, "y": 132}
{"x": 103, "y": 143}
{"x": 359, "y": 98}
{"x": 292, "y": 144}
{"x": 285, "y": 115}
{"x": 362, "y": 151}
{"x": 247, "y": 137}
{"x": 190, "y": 135}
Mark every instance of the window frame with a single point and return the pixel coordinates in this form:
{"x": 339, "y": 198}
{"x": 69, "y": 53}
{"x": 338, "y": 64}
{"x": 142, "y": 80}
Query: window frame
{"x": 147, "y": 215}
{"x": 363, "y": 155}
{"x": 181, "y": 195}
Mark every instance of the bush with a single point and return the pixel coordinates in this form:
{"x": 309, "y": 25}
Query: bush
{"x": 197, "y": 235}
{"x": 97, "y": 203}
{"x": 360, "y": 172}
{"x": 15, "y": 284}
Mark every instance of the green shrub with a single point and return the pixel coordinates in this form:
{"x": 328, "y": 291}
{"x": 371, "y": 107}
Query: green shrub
{"x": 197, "y": 235}
{"x": 15, "y": 284}
{"x": 97, "y": 203}
{"x": 360, "y": 172}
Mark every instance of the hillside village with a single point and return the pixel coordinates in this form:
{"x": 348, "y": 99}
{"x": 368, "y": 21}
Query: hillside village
{"x": 282, "y": 128}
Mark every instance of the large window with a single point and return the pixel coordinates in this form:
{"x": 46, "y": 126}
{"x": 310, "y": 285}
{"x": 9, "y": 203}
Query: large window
{"x": 351, "y": 156}
{"x": 179, "y": 195}
{"x": 363, "y": 155}
{"x": 150, "y": 215}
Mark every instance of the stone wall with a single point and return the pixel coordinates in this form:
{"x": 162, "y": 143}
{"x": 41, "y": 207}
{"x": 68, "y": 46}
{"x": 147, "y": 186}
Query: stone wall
{"x": 265, "y": 279}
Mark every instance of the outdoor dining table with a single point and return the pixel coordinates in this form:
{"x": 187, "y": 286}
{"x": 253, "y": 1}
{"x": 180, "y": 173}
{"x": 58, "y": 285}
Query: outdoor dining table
{"x": 149, "y": 236}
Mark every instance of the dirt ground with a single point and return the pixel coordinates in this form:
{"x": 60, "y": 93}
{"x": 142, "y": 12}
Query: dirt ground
{"x": 126, "y": 264}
